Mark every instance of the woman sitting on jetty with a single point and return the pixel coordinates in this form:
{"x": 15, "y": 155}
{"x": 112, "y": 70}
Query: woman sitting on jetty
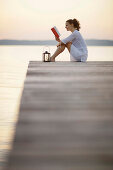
{"x": 74, "y": 43}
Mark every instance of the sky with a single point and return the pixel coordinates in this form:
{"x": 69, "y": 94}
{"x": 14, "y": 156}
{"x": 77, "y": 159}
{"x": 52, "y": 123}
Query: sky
{"x": 33, "y": 19}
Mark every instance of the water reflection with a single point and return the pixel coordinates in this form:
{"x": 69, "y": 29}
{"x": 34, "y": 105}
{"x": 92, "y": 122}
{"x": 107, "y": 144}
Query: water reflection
{"x": 12, "y": 75}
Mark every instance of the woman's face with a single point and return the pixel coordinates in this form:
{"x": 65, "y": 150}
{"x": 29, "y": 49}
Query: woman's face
{"x": 68, "y": 26}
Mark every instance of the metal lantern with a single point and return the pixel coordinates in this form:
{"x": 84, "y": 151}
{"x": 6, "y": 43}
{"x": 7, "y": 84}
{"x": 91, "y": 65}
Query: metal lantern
{"x": 46, "y": 56}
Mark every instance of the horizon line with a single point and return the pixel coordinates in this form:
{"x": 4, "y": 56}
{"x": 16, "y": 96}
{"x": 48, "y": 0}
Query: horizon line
{"x": 49, "y": 39}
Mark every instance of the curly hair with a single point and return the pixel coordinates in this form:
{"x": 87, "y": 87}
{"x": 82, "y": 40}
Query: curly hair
{"x": 75, "y": 22}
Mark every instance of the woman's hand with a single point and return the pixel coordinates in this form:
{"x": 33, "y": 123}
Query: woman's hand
{"x": 57, "y": 39}
{"x": 59, "y": 44}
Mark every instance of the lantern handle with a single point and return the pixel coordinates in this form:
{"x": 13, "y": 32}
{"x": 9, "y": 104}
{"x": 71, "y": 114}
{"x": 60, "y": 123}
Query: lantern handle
{"x": 46, "y": 46}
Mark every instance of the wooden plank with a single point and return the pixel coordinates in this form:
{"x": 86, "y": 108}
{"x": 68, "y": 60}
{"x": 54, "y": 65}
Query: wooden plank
{"x": 66, "y": 118}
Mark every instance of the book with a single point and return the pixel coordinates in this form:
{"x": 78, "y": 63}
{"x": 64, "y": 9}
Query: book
{"x": 55, "y": 32}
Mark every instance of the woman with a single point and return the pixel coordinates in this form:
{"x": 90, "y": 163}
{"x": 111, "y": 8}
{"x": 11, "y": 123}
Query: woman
{"x": 74, "y": 43}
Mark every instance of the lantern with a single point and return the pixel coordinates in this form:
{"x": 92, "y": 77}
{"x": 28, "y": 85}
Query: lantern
{"x": 46, "y": 56}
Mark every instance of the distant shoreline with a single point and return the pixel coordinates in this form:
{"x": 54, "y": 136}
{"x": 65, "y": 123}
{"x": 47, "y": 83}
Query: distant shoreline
{"x": 89, "y": 42}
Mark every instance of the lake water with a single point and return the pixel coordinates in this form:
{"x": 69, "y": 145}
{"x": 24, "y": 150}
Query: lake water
{"x": 26, "y": 53}
{"x": 13, "y": 67}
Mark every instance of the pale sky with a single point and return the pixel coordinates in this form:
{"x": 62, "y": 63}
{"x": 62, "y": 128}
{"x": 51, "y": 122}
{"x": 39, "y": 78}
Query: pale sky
{"x": 33, "y": 19}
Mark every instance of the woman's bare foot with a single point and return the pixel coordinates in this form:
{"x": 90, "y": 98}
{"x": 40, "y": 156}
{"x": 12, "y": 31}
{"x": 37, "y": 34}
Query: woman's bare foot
{"x": 52, "y": 59}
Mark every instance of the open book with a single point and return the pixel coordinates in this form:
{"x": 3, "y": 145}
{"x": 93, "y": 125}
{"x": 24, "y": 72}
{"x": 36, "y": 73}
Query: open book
{"x": 55, "y": 31}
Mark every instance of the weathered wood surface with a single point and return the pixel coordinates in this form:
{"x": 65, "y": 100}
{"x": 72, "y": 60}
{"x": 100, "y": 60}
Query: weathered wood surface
{"x": 66, "y": 118}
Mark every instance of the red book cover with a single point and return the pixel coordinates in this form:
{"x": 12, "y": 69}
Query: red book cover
{"x": 55, "y": 32}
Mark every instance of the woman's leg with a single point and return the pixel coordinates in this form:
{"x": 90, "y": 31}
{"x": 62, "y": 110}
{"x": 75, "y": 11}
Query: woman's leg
{"x": 68, "y": 46}
{"x": 59, "y": 50}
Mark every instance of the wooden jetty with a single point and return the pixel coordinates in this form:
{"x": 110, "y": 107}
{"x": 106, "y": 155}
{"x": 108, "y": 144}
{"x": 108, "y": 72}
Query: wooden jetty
{"x": 66, "y": 118}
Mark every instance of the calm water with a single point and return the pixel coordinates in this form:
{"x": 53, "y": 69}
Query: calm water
{"x": 26, "y": 53}
{"x": 13, "y": 66}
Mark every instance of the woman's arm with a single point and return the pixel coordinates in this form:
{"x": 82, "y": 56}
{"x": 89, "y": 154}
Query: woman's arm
{"x": 57, "y": 39}
{"x": 60, "y": 43}
{"x": 69, "y": 38}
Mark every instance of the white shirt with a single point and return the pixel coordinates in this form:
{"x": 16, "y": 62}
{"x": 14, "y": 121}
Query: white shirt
{"x": 79, "y": 47}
